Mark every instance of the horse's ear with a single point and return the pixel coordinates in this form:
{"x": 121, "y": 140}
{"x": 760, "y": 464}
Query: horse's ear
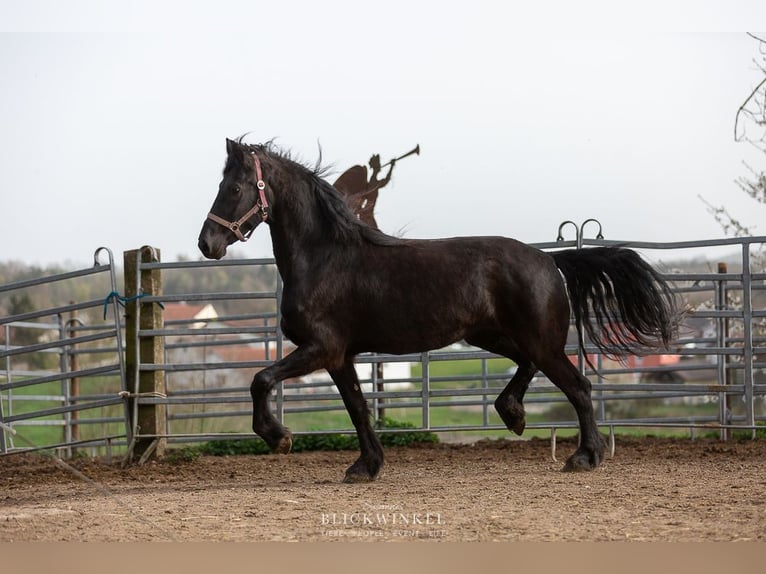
{"x": 235, "y": 151}
{"x": 232, "y": 147}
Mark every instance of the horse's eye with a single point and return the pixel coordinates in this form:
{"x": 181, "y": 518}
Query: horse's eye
{"x": 237, "y": 189}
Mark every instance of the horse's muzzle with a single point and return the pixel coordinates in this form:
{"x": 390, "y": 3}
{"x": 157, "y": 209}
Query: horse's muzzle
{"x": 210, "y": 251}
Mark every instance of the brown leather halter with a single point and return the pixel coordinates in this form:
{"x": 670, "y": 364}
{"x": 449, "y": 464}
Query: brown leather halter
{"x": 262, "y": 206}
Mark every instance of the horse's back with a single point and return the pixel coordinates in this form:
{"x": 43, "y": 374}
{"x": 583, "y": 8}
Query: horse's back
{"x": 424, "y": 294}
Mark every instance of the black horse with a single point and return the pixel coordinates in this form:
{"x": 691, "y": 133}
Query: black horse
{"x": 350, "y": 289}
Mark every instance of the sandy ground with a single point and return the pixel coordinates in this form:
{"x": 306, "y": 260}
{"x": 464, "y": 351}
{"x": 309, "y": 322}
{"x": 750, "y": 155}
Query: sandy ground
{"x": 652, "y": 490}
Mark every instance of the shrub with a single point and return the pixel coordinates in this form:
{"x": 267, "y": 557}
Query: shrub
{"x": 317, "y": 442}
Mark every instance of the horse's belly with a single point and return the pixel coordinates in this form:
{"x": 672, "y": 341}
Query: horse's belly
{"x": 407, "y": 337}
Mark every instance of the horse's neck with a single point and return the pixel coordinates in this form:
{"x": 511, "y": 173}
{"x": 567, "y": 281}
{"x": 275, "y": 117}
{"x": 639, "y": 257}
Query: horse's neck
{"x": 285, "y": 252}
{"x": 299, "y": 233}
{"x": 294, "y": 243}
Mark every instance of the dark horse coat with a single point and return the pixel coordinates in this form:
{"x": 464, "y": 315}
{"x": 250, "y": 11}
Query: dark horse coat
{"x": 350, "y": 289}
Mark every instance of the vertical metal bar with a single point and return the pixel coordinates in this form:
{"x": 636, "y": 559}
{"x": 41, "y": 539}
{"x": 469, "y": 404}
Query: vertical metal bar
{"x": 65, "y": 384}
{"x": 485, "y": 386}
{"x": 168, "y": 387}
{"x": 3, "y": 446}
{"x": 722, "y": 336}
{"x": 74, "y": 382}
{"x": 426, "y": 390}
{"x": 9, "y": 374}
{"x": 136, "y": 382}
{"x": 747, "y": 311}
{"x": 121, "y": 347}
{"x": 116, "y": 313}
{"x": 374, "y": 387}
{"x": 580, "y": 335}
{"x": 281, "y": 386}
{"x": 599, "y": 391}
{"x": 266, "y": 337}
{"x": 132, "y": 264}
{"x": 580, "y": 236}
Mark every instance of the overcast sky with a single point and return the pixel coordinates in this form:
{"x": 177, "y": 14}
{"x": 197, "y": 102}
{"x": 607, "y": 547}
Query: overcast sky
{"x": 113, "y": 133}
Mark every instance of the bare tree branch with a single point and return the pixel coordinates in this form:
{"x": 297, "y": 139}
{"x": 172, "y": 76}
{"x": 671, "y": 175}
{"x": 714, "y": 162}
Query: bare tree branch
{"x": 744, "y": 104}
{"x": 760, "y": 104}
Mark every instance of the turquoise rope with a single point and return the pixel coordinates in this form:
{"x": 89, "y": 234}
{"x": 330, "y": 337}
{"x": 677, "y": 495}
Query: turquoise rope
{"x": 122, "y": 300}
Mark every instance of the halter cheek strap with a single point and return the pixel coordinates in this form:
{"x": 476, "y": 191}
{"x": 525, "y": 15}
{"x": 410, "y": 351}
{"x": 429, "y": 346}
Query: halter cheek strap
{"x": 262, "y": 206}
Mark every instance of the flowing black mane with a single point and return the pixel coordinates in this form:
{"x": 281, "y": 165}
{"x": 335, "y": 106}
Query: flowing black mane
{"x": 276, "y": 152}
{"x": 338, "y": 219}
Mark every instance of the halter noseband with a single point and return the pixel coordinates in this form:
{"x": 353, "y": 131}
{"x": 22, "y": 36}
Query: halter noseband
{"x": 262, "y": 206}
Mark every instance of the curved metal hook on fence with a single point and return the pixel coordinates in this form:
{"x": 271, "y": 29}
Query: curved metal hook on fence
{"x": 580, "y": 230}
{"x": 96, "y": 262}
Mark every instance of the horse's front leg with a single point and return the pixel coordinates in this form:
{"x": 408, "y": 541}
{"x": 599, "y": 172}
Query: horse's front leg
{"x": 302, "y": 361}
{"x": 370, "y": 461}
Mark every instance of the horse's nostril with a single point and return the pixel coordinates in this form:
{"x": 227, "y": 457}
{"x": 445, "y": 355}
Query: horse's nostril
{"x": 203, "y": 246}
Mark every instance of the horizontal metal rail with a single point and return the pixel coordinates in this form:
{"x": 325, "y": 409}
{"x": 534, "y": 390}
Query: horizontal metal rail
{"x": 718, "y": 368}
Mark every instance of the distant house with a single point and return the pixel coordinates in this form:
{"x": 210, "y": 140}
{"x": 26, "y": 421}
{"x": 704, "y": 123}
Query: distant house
{"x": 184, "y": 315}
{"x": 242, "y": 354}
{"x": 207, "y": 346}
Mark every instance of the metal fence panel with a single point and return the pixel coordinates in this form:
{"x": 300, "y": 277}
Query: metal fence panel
{"x": 62, "y": 367}
{"x": 713, "y": 379}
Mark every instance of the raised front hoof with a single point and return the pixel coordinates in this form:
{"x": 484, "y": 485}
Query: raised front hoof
{"x": 582, "y": 461}
{"x": 358, "y": 472}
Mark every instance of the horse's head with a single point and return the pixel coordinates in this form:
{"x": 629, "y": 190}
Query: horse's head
{"x": 240, "y": 205}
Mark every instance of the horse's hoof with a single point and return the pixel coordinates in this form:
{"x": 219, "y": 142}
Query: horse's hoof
{"x": 513, "y": 415}
{"x": 575, "y": 467}
{"x": 580, "y": 461}
{"x": 358, "y": 472}
{"x": 358, "y": 477}
{"x": 284, "y": 445}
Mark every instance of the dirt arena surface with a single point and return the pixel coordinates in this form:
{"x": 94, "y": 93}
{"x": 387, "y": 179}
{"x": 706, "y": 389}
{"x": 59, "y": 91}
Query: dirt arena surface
{"x": 652, "y": 490}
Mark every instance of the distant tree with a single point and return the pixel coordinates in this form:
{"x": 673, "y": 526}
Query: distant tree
{"x": 749, "y": 127}
{"x": 17, "y": 305}
{"x": 23, "y": 336}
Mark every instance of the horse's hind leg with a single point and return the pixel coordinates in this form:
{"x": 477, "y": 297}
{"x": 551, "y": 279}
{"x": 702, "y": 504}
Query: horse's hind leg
{"x": 577, "y": 389}
{"x": 510, "y": 403}
{"x": 367, "y": 466}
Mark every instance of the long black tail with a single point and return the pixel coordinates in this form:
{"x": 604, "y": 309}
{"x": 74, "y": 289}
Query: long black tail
{"x": 620, "y": 301}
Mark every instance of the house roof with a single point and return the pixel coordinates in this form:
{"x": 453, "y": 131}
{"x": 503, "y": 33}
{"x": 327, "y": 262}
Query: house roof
{"x": 237, "y": 353}
{"x": 187, "y": 312}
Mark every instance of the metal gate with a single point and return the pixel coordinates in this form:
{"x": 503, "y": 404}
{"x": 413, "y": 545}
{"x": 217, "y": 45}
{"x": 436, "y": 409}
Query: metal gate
{"x": 63, "y": 370}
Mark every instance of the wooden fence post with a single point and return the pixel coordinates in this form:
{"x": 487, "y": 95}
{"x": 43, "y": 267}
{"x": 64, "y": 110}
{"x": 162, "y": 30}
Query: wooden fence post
{"x": 148, "y": 421}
